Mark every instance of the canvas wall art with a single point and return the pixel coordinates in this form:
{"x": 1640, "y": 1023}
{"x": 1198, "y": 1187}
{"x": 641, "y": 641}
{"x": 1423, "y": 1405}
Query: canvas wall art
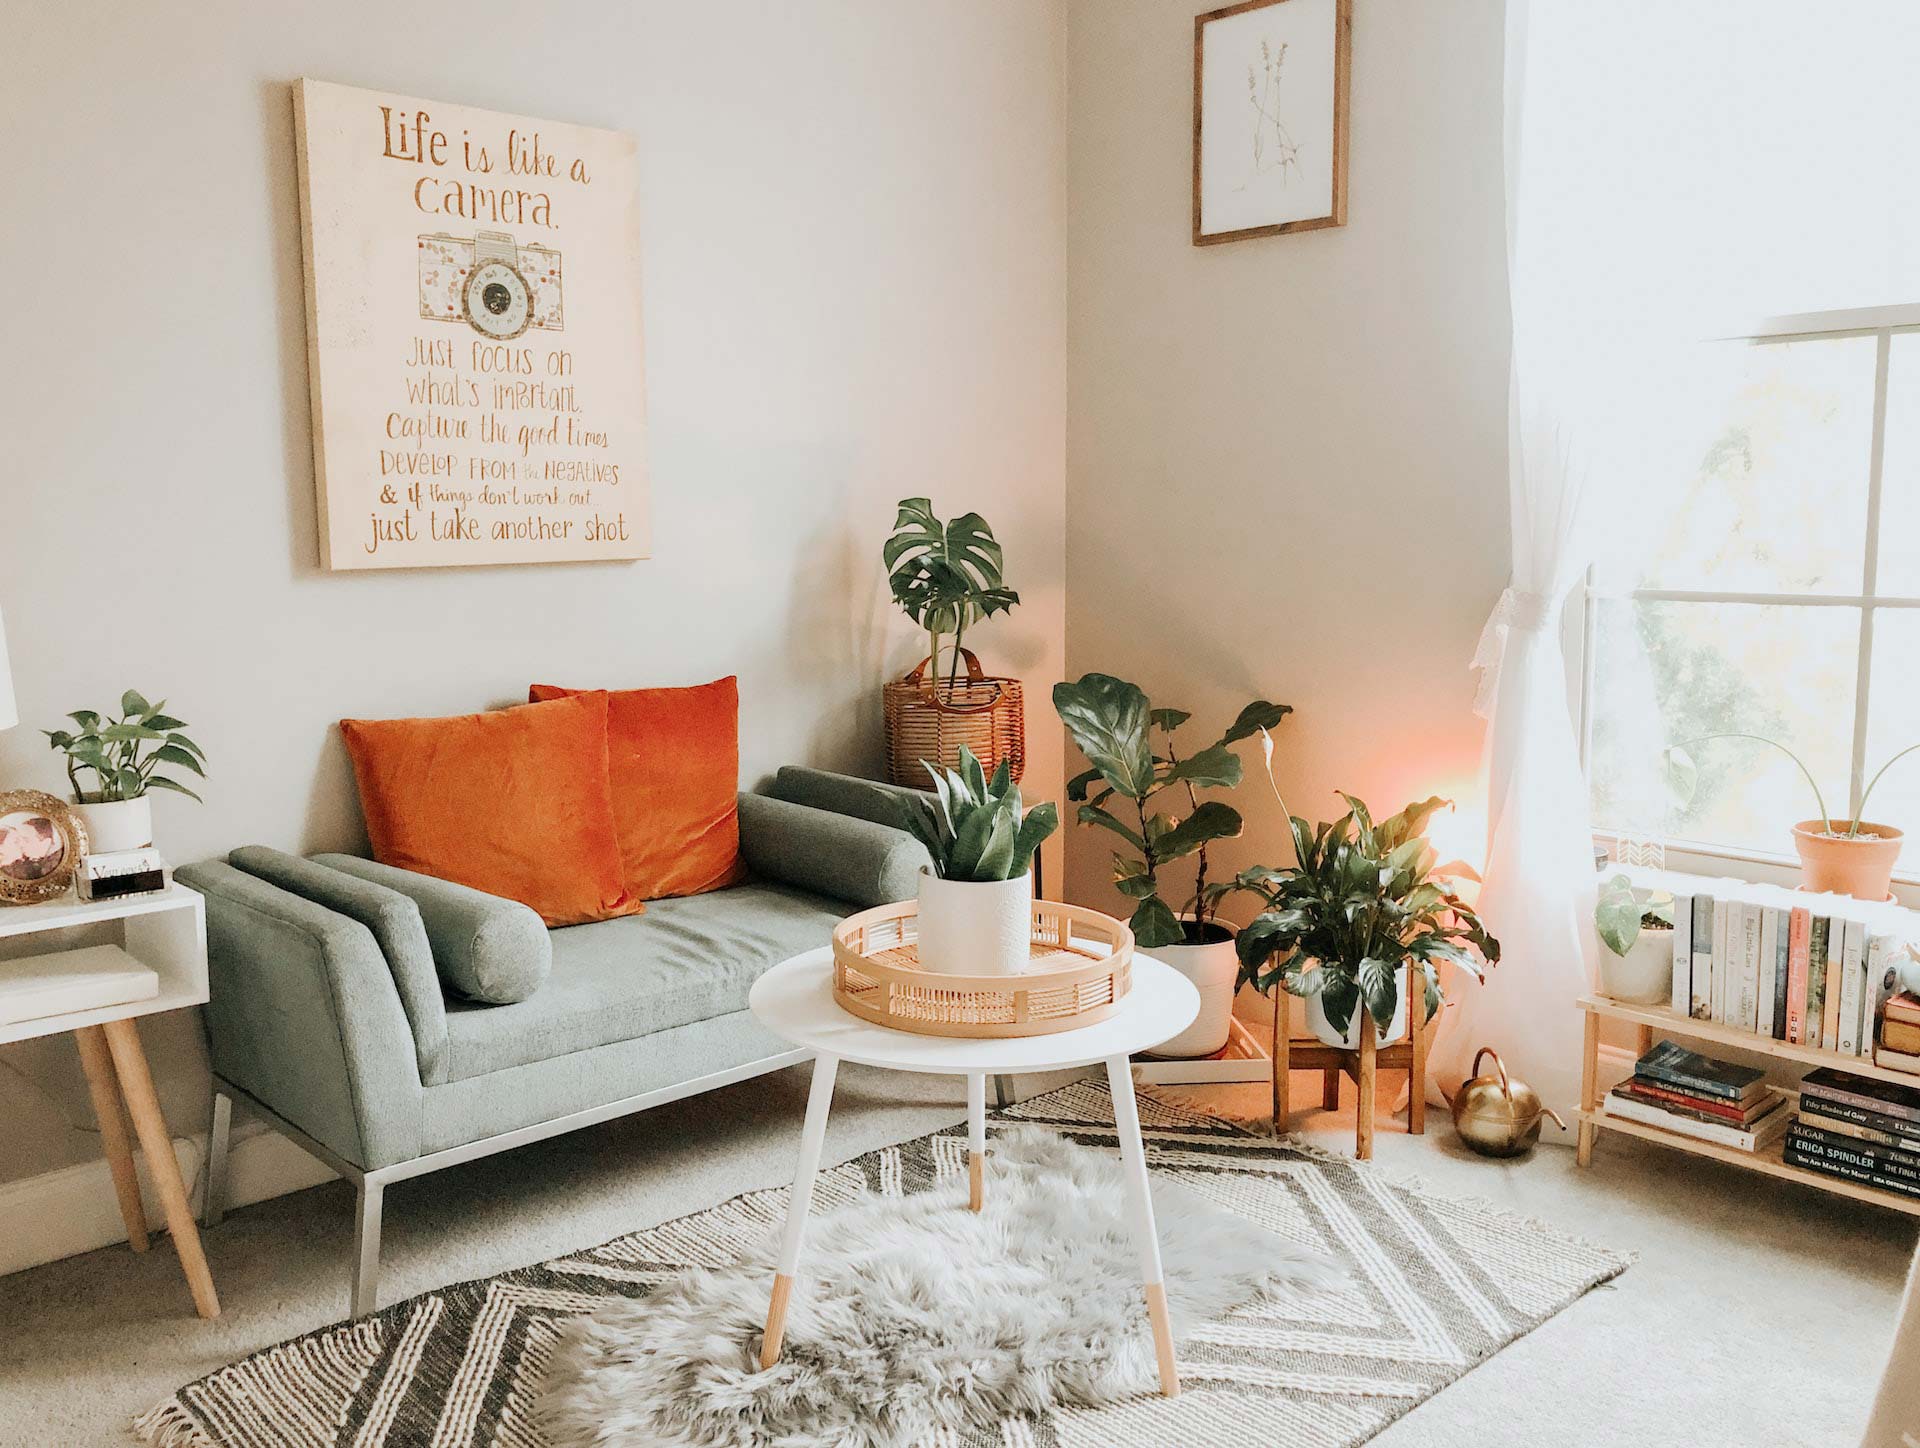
{"x": 1270, "y": 81}
{"x": 473, "y": 330}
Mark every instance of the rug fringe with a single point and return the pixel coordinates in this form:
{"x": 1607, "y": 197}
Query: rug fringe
{"x": 170, "y": 1425}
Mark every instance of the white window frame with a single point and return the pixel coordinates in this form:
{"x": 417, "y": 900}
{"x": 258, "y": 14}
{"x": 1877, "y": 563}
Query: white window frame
{"x": 1698, "y": 856}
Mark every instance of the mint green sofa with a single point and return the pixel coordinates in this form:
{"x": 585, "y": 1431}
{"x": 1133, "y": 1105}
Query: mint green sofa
{"x": 344, "y": 1009}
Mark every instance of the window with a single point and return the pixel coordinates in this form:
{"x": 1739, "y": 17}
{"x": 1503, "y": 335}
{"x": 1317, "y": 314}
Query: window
{"x": 1777, "y": 592}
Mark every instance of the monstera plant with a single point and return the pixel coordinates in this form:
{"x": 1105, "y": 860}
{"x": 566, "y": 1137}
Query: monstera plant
{"x": 1137, "y": 772}
{"x": 946, "y": 576}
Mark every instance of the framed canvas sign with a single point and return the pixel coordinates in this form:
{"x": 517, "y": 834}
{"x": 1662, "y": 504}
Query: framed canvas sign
{"x": 473, "y": 333}
{"x": 1270, "y": 82}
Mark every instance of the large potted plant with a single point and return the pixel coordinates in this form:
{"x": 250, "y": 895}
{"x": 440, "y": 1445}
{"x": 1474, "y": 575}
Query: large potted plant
{"x": 127, "y": 758}
{"x": 947, "y": 577}
{"x": 1135, "y": 767}
{"x": 976, "y": 901}
{"x": 1848, "y": 857}
{"x": 1341, "y": 925}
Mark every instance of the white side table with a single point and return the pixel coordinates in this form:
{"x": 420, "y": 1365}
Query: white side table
{"x": 795, "y": 1001}
{"x": 166, "y": 932}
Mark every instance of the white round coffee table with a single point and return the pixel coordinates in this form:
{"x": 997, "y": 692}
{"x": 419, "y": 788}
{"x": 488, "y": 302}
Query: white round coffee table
{"x": 795, "y": 1001}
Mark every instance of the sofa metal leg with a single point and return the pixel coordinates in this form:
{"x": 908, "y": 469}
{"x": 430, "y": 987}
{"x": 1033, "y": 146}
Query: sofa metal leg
{"x": 213, "y": 1197}
{"x": 366, "y": 1248}
{"x": 1002, "y": 1091}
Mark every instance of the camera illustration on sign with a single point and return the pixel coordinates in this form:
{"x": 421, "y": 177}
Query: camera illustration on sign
{"x": 490, "y": 282}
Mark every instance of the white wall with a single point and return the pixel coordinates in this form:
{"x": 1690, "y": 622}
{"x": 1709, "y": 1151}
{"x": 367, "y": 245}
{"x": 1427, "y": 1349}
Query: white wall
{"x": 854, "y": 281}
{"x": 1286, "y": 456}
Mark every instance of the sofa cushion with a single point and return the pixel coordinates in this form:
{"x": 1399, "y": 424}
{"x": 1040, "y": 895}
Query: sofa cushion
{"x": 487, "y": 949}
{"x": 394, "y": 920}
{"x": 514, "y": 802}
{"x": 673, "y": 760}
{"x": 854, "y": 860}
{"x": 683, "y": 961}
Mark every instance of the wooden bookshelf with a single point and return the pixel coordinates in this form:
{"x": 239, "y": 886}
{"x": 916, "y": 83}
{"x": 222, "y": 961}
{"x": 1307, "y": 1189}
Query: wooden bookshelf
{"x": 1769, "y": 1159}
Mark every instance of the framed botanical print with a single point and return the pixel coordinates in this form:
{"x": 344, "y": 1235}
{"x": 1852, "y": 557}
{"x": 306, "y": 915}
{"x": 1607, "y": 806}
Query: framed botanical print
{"x": 1270, "y": 81}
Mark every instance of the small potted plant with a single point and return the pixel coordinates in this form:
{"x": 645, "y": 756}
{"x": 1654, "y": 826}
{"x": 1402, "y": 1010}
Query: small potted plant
{"x": 1129, "y": 745}
{"x": 126, "y": 758}
{"x": 1854, "y": 858}
{"x": 976, "y": 901}
{"x": 1342, "y": 923}
{"x": 1636, "y": 927}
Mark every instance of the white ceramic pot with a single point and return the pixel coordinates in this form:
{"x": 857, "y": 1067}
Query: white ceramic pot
{"x": 1644, "y": 975}
{"x": 1394, "y": 1032}
{"x": 1212, "y": 968}
{"x": 975, "y": 927}
{"x": 117, "y": 824}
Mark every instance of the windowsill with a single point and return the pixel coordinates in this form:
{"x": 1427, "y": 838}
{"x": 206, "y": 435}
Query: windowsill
{"x": 1688, "y": 857}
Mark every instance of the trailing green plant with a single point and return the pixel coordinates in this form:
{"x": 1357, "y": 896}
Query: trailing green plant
{"x": 126, "y": 755}
{"x": 976, "y": 828}
{"x": 1683, "y": 773}
{"x": 946, "y": 576}
{"x": 1113, "y": 722}
{"x": 1360, "y": 902}
{"x": 1621, "y": 913}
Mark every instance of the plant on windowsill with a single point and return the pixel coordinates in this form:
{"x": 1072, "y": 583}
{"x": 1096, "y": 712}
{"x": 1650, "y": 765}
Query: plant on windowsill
{"x": 976, "y": 902}
{"x": 1856, "y": 859}
{"x": 1636, "y": 927}
{"x": 126, "y": 757}
{"x": 1115, "y": 725}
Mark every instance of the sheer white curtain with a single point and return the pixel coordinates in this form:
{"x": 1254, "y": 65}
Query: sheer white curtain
{"x": 1673, "y": 172}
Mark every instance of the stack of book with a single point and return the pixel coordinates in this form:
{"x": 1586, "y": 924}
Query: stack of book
{"x": 1864, "y": 1130}
{"x": 1899, "y": 1047}
{"x": 1694, "y": 1095}
{"x": 1792, "y": 974}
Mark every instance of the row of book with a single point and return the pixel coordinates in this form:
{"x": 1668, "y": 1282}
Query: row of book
{"x": 1695, "y": 1095}
{"x": 1792, "y": 974}
{"x": 1864, "y": 1130}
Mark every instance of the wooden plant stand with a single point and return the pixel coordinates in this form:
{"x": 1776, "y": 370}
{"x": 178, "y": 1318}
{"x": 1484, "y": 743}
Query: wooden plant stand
{"x": 1409, "y": 1055}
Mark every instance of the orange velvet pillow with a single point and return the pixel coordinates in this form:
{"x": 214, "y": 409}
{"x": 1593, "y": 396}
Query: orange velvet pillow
{"x": 514, "y": 802}
{"x": 673, "y": 756}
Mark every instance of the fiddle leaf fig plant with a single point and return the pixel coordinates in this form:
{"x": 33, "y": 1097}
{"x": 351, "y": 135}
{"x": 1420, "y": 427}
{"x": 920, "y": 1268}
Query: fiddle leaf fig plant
{"x": 946, "y": 576}
{"x": 126, "y": 755}
{"x": 1360, "y": 901}
{"x": 1130, "y": 746}
{"x": 976, "y": 828}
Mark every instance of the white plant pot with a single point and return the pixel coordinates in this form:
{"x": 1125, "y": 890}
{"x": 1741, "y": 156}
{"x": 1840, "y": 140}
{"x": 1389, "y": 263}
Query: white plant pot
{"x": 1394, "y": 1032}
{"x": 117, "y": 824}
{"x": 1644, "y": 975}
{"x": 975, "y": 927}
{"x": 1212, "y": 968}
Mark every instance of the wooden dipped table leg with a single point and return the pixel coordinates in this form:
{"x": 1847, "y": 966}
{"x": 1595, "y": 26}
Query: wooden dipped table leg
{"x": 102, "y": 1086}
{"x": 976, "y": 1141}
{"x": 813, "y": 1137}
{"x": 136, "y": 1084}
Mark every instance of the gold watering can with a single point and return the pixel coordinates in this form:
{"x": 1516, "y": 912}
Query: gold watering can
{"x": 1498, "y": 1117}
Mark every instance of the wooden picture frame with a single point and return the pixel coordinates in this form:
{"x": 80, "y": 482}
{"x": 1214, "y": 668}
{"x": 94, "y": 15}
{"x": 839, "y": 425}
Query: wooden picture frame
{"x": 1317, "y": 152}
{"x": 41, "y": 843}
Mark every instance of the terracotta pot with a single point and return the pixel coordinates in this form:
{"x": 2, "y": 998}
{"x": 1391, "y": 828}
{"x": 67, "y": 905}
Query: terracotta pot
{"x": 1861, "y": 866}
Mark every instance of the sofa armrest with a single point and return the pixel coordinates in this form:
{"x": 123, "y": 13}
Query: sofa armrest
{"x": 841, "y": 794}
{"x": 857, "y": 860}
{"x": 305, "y": 1016}
{"x": 487, "y": 949}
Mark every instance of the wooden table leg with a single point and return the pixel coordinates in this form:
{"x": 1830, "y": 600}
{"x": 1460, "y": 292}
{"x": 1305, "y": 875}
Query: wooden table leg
{"x": 1417, "y": 1073}
{"x": 1589, "y": 1088}
{"x": 1364, "y": 1089}
{"x": 1330, "y": 1088}
{"x": 1280, "y": 1062}
{"x": 813, "y": 1139}
{"x": 1133, "y": 1157}
{"x": 108, "y": 1109}
{"x": 136, "y": 1084}
{"x": 976, "y": 1141}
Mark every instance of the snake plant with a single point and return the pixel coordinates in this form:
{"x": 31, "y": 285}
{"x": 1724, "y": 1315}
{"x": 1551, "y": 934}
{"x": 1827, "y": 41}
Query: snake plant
{"x": 975, "y": 828}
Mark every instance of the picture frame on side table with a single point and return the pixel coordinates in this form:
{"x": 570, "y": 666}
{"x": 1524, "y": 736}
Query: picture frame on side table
{"x": 1270, "y": 91}
{"x": 41, "y": 844}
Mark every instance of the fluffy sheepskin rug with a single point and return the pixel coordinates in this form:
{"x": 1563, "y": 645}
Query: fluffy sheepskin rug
{"x": 911, "y": 1314}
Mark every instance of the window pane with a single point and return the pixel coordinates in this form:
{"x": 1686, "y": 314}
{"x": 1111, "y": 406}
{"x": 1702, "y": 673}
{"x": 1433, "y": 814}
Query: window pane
{"x": 1669, "y": 672}
{"x": 1893, "y": 722}
{"x": 1779, "y": 503}
{"x": 1900, "y": 472}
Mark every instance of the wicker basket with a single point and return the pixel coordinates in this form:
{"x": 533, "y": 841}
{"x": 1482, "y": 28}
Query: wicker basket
{"x": 931, "y": 718}
{"x": 1082, "y": 968}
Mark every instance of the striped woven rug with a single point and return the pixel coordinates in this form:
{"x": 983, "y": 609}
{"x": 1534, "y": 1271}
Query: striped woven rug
{"x": 1436, "y": 1286}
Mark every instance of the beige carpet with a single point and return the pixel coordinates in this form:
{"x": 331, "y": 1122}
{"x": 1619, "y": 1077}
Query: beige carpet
{"x": 1758, "y": 1312}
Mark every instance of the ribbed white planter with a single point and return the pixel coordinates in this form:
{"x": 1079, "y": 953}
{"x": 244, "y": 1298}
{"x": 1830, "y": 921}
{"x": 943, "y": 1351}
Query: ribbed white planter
{"x": 1212, "y": 968}
{"x": 975, "y": 927}
{"x": 117, "y": 824}
{"x": 1644, "y": 975}
{"x": 1395, "y": 1030}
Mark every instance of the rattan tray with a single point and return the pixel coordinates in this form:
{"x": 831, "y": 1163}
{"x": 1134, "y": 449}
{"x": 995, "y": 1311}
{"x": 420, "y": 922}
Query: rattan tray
{"x": 1081, "y": 969}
